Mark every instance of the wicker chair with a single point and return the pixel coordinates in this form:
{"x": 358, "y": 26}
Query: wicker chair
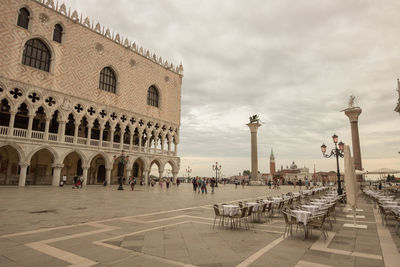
{"x": 218, "y": 215}
{"x": 242, "y": 217}
{"x": 317, "y": 222}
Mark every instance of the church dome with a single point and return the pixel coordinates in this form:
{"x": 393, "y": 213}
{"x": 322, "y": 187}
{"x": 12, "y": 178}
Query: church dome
{"x": 293, "y": 166}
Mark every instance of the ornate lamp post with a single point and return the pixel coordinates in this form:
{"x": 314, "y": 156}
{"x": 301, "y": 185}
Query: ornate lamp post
{"x": 122, "y": 162}
{"x": 337, "y": 152}
{"x": 216, "y": 168}
{"x": 188, "y": 171}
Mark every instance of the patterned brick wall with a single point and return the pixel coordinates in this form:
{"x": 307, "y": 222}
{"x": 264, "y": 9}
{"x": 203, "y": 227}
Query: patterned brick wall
{"x": 76, "y": 63}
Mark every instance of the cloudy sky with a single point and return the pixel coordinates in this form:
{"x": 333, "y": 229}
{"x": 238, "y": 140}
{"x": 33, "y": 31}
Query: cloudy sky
{"x": 295, "y": 63}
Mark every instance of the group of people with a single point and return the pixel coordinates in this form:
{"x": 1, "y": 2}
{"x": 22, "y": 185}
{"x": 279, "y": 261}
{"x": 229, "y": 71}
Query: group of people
{"x": 200, "y": 184}
{"x": 77, "y": 183}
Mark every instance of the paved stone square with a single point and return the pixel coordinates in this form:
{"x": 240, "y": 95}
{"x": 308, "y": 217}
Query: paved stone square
{"x": 98, "y": 226}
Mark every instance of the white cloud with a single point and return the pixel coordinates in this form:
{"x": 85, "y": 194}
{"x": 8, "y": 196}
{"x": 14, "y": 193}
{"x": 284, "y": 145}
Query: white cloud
{"x": 293, "y": 62}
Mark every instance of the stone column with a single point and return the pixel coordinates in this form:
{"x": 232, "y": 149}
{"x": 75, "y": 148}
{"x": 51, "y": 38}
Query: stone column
{"x": 89, "y": 134}
{"x": 353, "y": 113}
{"x": 85, "y": 174}
{"x": 112, "y": 131}
{"x": 56, "y": 174}
{"x": 131, "y": 141}
{"x": 162, "y": 144}
{"x": 121, "y": 140}
{"x": 77, "y": 123}
{"x": 101, "y": 135}
{"x": 254, "y": 154}
{"x": 22, "y": 173}
{"x": 61, "y": 129}
{"x": 175, "y": 176}
{"x": 146, "y": 177}
{"x": 46, "y": 129}
{"x": 108, "y": 175}
{"x": 11, "y": 124}
{"x": 169, "y": 145}
{"x": 140, "y": 140}
{"x": 160, "y": 174}
{"x": 30, "y": 122}
{"x": 155, "y": 145}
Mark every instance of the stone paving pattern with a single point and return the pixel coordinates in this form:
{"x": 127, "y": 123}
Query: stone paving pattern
{"x": 99, "y": 226}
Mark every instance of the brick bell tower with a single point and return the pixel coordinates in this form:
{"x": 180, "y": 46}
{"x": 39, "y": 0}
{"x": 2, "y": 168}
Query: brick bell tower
{"x": 272, "y": 164}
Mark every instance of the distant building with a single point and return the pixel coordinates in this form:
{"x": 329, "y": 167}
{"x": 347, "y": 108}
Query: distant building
{"x": 292, "y": 173}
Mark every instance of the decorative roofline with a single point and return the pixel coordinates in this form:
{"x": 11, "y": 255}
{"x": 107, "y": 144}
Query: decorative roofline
{"x": 116, "y": 38}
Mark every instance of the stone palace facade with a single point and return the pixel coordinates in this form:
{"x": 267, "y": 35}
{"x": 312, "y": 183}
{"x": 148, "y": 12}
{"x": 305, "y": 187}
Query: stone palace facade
{"x": 77, "y": 99}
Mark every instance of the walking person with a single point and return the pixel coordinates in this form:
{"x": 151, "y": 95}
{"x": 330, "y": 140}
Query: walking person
{"x": 194, "y": 182}
{"x": 178, "y": 182}
{"x": 167, "y": 182}
{"x": 199, "y": 185}
{"x": 132, "y": 181}
{"x": 212, "y": 182}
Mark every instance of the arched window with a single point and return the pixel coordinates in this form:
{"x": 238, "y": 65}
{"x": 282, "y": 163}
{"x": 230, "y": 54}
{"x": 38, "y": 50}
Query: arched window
{"x": 23, "y": 18}
{"x": 108, "y": 81}
{"x": 57, "y": 33}
{"x": 37, "y": 55}
{"x": 152, "y": 96}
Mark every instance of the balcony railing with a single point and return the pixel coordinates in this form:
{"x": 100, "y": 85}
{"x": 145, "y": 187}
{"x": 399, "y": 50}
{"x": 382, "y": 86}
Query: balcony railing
{"x": 20, "y": 132}
{"x": 38, "y": 135}
{"x": 81, "y": 141}
{"x": 3, "y": 130}
{"x": 53, "y": 137}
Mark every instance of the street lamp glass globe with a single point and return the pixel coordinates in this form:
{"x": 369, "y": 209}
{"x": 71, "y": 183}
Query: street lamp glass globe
{"x": 335, "y": 138}
{"x": 341, "y": 146}
{"x": 323, "y": 148}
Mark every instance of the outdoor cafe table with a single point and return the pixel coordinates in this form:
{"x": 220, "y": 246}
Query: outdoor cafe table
{"x": 302, "y": 215}
{"x": 255, "y": 205}
{"x": 311, "y": 208}
{"x": 230, "y": 210}
{"x": 277, "y": 199}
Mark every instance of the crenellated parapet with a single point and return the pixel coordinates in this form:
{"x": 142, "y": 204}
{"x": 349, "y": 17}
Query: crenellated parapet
{"x": 107, "y": 33}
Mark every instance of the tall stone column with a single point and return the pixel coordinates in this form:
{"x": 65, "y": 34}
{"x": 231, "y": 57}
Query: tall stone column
{"x": 353, "y": 113}
{"x": 254, "y": 154}
{"x": 101, "y": 135}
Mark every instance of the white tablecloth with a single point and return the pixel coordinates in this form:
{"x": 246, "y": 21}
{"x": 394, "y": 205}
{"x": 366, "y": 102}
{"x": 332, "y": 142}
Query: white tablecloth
{"x": 255, "y": 205}
{"x": 302, "y": 215}
{"x": 231, "y": 210}
{"x": 277, "y": 199}
{"x": 311, "y": 208}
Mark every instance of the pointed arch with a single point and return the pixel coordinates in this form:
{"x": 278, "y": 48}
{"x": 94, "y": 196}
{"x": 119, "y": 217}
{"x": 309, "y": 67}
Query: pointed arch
{"x": 52, "y": 151}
